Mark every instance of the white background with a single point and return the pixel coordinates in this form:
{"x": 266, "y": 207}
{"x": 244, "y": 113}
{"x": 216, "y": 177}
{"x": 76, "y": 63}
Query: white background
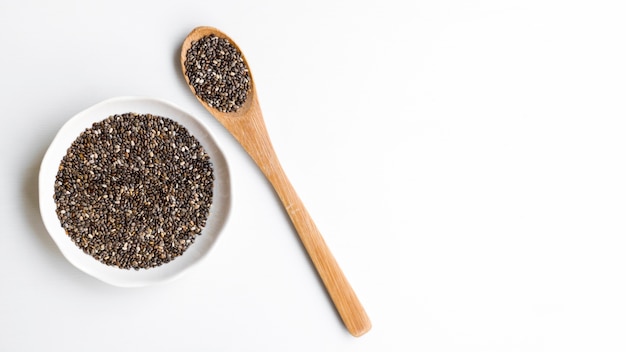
{"x": 465, "y": 161}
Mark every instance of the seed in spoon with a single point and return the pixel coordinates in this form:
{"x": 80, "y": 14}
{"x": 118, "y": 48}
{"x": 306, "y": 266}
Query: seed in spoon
{"x": 217, "y": 73}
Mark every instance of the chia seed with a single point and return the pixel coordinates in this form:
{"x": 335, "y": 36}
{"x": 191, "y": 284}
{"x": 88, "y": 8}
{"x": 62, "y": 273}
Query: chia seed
{"x": 218, "y": 73}
{"x": 134, "y": 191}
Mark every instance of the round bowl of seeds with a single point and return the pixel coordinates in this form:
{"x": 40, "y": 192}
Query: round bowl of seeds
{"x": 134, "y": 191}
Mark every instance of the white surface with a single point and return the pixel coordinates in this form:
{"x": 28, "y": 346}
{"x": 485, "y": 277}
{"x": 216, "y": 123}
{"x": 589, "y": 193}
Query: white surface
{"x": 111, "y": 274}
{"x": 464, "y": 160}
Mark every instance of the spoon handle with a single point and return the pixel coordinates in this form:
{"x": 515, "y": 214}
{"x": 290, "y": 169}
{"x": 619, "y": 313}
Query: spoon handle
{"x": 253, "y": 137}
{"x": 346, "y": 302}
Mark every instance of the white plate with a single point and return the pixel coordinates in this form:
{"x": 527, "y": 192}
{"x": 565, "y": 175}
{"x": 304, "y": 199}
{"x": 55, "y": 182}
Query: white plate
{"x": 111, "y": 274}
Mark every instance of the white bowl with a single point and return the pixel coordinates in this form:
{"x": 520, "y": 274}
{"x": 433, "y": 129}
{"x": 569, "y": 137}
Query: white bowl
{"x": 111, "y": 274}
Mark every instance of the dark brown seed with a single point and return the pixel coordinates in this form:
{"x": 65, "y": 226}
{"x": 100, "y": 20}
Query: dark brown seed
{"x": 218, "y": 73}
{"x": 123, "y": 211}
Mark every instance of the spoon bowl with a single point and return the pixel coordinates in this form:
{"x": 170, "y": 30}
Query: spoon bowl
{"x": 246, "y": 124}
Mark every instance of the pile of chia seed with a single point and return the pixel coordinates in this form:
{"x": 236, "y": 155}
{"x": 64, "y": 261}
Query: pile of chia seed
{"x": 218, "y": 73}
{"x": 134, "y": 190}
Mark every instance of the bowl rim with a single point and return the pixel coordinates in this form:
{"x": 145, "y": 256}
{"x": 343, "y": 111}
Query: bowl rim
{"x": 195, "y": 253}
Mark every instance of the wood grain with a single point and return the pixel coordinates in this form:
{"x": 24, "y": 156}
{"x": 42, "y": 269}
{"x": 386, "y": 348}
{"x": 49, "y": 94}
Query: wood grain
{"x": 248, "y": 127}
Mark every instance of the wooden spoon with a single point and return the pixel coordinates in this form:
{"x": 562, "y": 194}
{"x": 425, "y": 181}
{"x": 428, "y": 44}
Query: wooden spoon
{"x": 247, "y": 126}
